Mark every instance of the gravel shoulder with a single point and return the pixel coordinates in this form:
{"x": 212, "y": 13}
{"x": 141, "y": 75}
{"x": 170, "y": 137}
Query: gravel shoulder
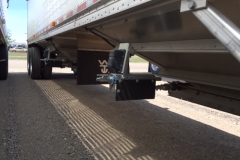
{"x": 55, "y": 119}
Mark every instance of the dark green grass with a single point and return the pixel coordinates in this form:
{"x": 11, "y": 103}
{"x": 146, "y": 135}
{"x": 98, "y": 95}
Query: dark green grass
{"x": 137, "y": 59}
{"x": 23, "y": 56}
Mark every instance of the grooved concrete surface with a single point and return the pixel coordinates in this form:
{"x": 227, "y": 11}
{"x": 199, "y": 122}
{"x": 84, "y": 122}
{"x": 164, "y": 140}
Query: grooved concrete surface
{"x": 55, "y": 119}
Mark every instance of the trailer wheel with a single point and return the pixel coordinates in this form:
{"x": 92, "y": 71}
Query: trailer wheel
{"x": 28, "y": 60}
{"x": 3, "y": 64}
{"x": 75, "y": 72}
{"x": 46, "y": 72}
{"x": 154, "y": 69}
{"x": 35, "y": 63}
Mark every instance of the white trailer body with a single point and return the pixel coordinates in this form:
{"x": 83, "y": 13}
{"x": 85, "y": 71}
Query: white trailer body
{"x": 197, "y": 41}
{"x": 3, "y": 41}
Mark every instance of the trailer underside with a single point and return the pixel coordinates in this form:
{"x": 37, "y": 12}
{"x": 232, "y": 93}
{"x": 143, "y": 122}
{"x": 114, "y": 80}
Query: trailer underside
{"x": 180, "y": 43}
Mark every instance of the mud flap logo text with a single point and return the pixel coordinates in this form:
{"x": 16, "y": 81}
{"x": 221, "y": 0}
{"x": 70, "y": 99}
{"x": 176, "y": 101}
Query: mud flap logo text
{"x": 103, "y": 65}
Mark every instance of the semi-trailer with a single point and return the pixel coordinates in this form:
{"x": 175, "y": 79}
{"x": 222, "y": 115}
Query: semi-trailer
{"x": 3, "y": 41}
{"x": 197, "y": 41}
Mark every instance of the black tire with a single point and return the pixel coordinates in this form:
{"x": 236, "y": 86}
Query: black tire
{"x": 154, "y": 69}
{"x": 75, "y": 72}
{"x": 35, "y": 63}
{"x": 28, "y": 60}
{"x": 3, "y": 64}
{"x": 46, "y": 72}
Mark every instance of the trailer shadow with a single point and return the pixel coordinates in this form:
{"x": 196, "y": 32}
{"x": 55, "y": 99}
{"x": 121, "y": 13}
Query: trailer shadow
{"x": 134, "y": 129}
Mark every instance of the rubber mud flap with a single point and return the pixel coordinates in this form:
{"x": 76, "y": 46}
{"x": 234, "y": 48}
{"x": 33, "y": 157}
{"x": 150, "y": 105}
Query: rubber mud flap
{"x": 135, "y": 89}
{"x": 90, "y": 66}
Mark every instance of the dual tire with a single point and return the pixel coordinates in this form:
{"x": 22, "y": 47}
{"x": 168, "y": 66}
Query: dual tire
{"x": 75, "y": 72}
{"x": 46, "y": 72}
{"x": 35, "y": 67}
{"x": 3, "y": 62}
{"x": 28, "y": 60}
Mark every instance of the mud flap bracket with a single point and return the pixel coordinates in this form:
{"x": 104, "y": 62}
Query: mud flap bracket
{"x": 91, "y": 65}
{"x": 126, "y": 85}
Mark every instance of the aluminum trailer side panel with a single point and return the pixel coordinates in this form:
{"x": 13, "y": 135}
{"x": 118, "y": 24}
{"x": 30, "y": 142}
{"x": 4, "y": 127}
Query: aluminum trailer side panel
{"x": 74, "y": 15}
{"x": 42, "y": 12}
{"x": 3, "y": 15}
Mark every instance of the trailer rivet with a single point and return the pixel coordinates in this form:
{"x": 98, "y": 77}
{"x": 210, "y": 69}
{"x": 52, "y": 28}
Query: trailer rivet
{"x": 191, "y": 5}
{"x": 137, "y": 80}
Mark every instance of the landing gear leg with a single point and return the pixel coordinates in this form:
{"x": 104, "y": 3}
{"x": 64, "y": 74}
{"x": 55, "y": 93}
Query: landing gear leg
{"x": 128, "y": 86}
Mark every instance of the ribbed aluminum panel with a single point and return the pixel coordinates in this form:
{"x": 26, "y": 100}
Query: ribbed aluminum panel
{"x": 68, "y": 16}
{"x": 42, "y": 12}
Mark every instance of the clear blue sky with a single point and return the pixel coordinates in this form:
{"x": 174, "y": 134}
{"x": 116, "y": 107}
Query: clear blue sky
{"x": 17, "y": 20}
